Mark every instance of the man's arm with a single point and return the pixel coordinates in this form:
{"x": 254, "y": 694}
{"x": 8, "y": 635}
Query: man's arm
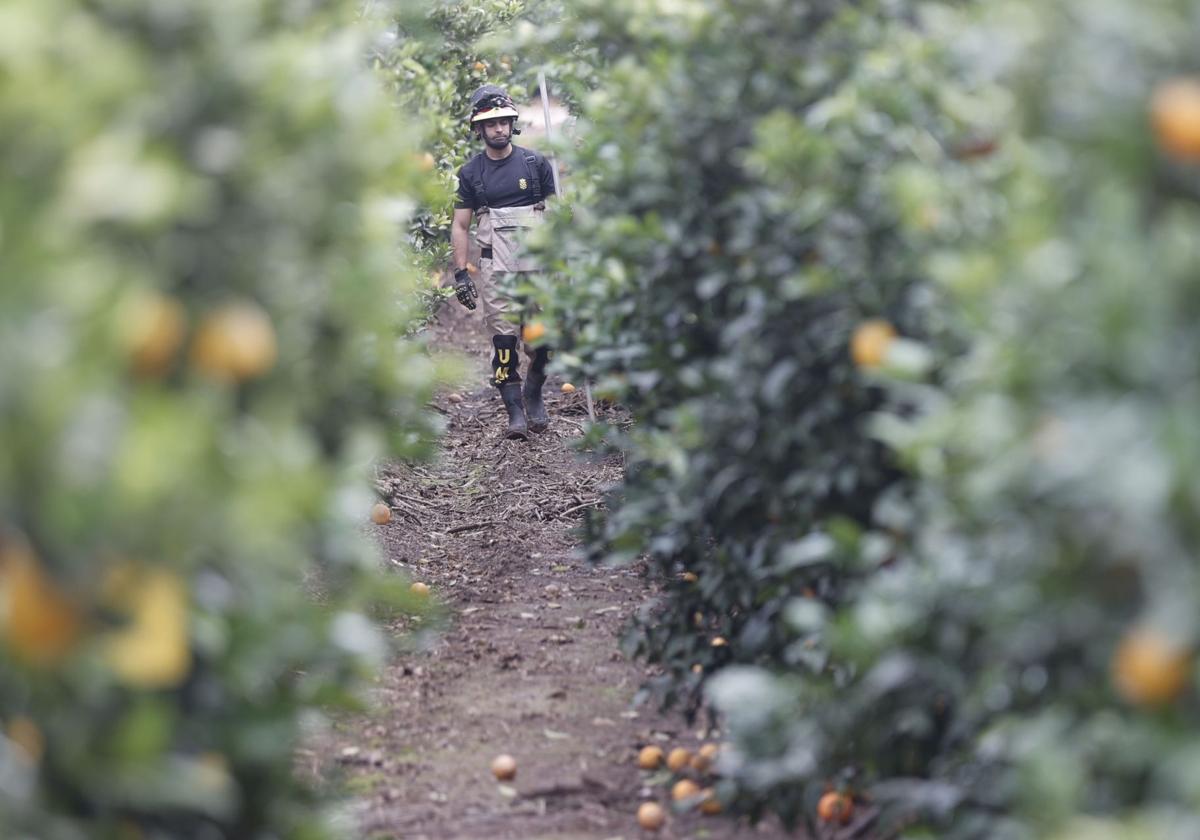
{"x": 460, "y": 236}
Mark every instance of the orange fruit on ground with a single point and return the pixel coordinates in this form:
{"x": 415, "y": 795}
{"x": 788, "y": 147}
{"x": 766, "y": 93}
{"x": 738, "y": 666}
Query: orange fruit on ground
{"x": 703, "y": 758}
{"x": 1148, "y": 669}
{"x": 697, "y": 668}
{"x": 689, "y": 577}
{"x": 419, "y": 588}
{"x": 568, "y": 388}
{"x": 650, "y": 758}
{"x": 709, "y": 805}
{"x": 152, "y": 329}
{"x": 677, "y": 759}
{"x": 1175, "y": 115}
{"x": 651, "y": 816}
{"x": 235, "y": 343}
{"x": 533, "y": 331}
{"x": 684, "y": 789}
{"x": 835, "y": 807}
{"x": 719, "y": 641}
{"x": 869, "y": 343}
{"x": 381, "y": 514}
{"x": 504, "y": 767}
{"x": 37, "y": 620}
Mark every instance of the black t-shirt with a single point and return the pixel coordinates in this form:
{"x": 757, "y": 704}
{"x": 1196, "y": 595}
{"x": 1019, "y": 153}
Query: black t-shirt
{"x": 506, "y": 182}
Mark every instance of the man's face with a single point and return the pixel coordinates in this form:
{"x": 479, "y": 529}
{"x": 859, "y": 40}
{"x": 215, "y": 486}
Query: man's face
{"x": 497, "y": 133}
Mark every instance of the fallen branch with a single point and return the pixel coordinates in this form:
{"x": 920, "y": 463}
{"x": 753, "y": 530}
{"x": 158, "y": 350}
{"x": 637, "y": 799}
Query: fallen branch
{"x": 459, "y": 529}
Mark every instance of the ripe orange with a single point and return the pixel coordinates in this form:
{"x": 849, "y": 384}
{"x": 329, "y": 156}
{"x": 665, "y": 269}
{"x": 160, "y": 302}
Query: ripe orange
{"x": 39, "y": 622}
{"x": 480, "y": 67}
{"x": 651, "y": 816}
{"x": 1148, "y": 669}
{"x": 568, "y": 388}
{"x": 684, "y": 789}
{"x": 703, "y": 759}
{"x": 677, "y": 759}
{"x": 650, "y": 758}
{"x": 719, "y": 641}
{"x": 709, "y": 804}
{"x": 426, "y": 162}
{"x": 419, "y": 588}
{"x": 381, "y": 514}
{"x": 533, "y": 331}
{"x": 1175, "y": 115}
{"x": 869, "y": 344}
{"x": 689, "y": 577}
{"x": 504, "y": 767}
{"x": 835, "y": 807}
{"x": 235, "y": 343}
{"x": 152, "y": 328}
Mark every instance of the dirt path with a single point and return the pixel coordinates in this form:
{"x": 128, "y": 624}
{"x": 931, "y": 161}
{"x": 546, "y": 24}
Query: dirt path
{"x": 530, "y": 664}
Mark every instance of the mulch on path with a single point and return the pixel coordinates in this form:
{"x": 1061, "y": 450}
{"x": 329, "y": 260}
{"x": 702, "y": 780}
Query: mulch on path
{"x": 529, "y": 664}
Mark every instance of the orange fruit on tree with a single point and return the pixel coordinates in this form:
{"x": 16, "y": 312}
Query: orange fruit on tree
{"x": 684, "y": 789}
{"x": 38, "y": 621}
{"x": 835, "y": 807}
{"x": 1148, "y": 669}
{"x": 480, "y": 67}
{"x": 381, "y": 514}
{"x": 152, "y": 328}
{"x": 651, "y": 816}
{"x": 426, "y": 162}
{"x": 677, "y": 759}
{"x": 1175, "y": 115}
{"x": 153, "y": 649}
{"x": 650, "y": 757}
{"x": 533, "y": 331}
{"x": 235, "y": 343}
{"x": 869, "y": 343}
{"x": 504, "y": 767}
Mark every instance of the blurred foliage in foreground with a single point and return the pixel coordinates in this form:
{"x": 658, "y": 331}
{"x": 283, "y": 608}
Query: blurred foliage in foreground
{"x": 955, "y": 569}
{"x": 198, "y": 327}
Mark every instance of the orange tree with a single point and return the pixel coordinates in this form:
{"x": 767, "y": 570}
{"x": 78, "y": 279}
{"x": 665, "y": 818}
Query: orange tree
{"x": 1035, "y": 637}
{"x": 198, "y": 321}
{"x": 764, "y": 182}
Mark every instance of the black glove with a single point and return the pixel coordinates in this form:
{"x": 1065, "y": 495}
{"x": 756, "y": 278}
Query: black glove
{"x": 464, "y": 288}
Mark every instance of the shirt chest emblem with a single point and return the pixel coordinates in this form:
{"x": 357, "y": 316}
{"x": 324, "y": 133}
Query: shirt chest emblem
{"x": 522, "y": 183}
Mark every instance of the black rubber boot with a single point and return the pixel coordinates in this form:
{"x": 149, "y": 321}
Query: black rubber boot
{"x": 510, "y": 392}
{"x": 535, "y": 407}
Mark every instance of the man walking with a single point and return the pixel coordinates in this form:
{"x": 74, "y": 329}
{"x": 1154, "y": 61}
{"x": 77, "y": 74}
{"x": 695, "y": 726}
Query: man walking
{"x": 505, "y": 187}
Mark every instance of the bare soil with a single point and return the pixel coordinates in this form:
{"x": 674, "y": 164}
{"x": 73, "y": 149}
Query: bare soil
{"x": 529, "y": 664}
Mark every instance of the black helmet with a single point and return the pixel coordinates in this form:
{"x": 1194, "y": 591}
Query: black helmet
{"x": 491, "y": 102}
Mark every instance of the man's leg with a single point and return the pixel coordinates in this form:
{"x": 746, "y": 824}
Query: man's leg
{"x": 535, "y": 408}
{"x": 506, "y": 373}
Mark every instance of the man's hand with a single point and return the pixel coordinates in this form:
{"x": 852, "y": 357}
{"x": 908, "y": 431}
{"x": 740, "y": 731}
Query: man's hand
{"x": 464, "y": 288}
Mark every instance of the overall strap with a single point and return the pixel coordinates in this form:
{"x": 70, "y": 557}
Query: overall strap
{"x": 535, "y": 180}
{"x": 477, "y": 185}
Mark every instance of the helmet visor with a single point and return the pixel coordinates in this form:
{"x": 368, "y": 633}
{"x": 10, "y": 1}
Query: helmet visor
{"x": 494, "y": 114}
